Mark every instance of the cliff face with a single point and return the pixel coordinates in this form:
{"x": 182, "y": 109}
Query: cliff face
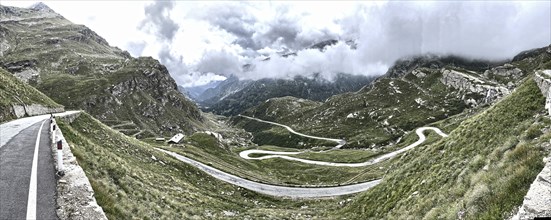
{"x": 487, "y": 91}
{"x": 77, "y": 68}
{"x": 543, "y": 79}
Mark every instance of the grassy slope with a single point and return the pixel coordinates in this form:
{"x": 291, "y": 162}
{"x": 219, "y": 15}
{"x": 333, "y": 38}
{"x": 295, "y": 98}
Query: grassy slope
{"x": 483, "y": 169}
{"x": 128, "y": 182}
{"x": 205, "y": 148}
{"x": 15, "y": 92}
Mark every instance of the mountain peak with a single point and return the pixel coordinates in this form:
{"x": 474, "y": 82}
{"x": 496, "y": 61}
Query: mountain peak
{"x": 40, "y": 6}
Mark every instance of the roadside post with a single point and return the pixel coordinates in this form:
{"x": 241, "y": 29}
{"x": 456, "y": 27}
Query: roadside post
{"x": 53, "y": 127}
{"x": 60, "y": 171}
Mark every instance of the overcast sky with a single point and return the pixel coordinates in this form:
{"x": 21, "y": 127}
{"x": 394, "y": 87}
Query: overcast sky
{"x": 204, "y": 41}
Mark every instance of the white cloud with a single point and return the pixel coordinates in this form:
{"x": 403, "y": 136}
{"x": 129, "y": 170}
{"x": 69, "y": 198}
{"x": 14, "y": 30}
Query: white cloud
{"x": 219, "y": 37}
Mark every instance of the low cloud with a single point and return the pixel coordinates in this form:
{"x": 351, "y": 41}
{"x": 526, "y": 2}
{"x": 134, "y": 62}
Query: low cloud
{"x": 220, "y": 62}
{"x": 386, "y": 33}
{"x": 487, "y": 30}
{"x": 136, "y": 48}
{"x": 339, "y": 58}
{"x": 157, "y": 20}
{"x": 383, "y": 31}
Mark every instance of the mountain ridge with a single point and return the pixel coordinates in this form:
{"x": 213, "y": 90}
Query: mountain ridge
{"x": 46, "y": 50}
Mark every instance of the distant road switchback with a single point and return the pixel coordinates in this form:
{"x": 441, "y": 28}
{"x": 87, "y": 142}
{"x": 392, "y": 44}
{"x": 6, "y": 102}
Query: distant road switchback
{"x": 283, "y": 154}
{"x": 301, "y": 192}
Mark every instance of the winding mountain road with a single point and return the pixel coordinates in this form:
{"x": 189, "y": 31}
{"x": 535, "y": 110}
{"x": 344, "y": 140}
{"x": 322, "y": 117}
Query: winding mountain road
{"x": 283, "y": 155}
{"x": 27, "y": 172}
{"x": 300, "y": 192}
{"x": 275, "y": 190}
{"x": 340, "y": 142}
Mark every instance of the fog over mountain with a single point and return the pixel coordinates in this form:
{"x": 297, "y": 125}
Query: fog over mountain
{"x": 202, "y": 41}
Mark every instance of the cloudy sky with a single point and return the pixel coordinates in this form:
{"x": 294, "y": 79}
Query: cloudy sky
{"x": 204, "y": 41}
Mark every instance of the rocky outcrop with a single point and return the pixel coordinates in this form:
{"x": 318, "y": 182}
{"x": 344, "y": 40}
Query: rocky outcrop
{"x": 543, "y": 80}
{"x": 77, "y": 68}
{"x": 151, "y": 96}
{"x": 537, "y": 202}
{"x": 506, "y": 70}
{"x": 418, "y": 73}
{"x": 468, "y": 83}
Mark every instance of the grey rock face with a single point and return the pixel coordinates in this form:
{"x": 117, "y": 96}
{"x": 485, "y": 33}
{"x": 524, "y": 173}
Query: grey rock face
{"x": 543, "y": 81}
{"x": 418, "y": 73}
{"x": 506, "y": 70}
{"x": 19, "y": 111}
{"x": 474, "y": 85}
{"x": 537, "y": 202}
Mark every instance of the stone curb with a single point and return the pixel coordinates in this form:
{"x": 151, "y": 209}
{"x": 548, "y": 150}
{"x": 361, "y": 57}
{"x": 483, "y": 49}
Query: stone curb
{"x": 75, "y": 196}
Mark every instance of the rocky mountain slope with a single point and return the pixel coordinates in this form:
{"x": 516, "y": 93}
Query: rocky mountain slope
{"x": 221, "y": 91}
{"x": 17, "y": 99}
{"x": 414, "y": 92}
{"x": 77, "y": 68}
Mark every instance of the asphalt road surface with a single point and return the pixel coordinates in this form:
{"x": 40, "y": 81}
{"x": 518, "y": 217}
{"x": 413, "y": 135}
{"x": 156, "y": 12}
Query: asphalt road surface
{"x": 283, "y": 154}
{"x": 301, "y": 192}
{"x": 275, "y": 190}
{"x": 27, "y": 171}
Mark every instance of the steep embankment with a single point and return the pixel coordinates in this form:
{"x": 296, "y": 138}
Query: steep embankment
{"x": 77, "y": 68}
{"x": 482, "y": 170}
{"x": 17, "y": 99}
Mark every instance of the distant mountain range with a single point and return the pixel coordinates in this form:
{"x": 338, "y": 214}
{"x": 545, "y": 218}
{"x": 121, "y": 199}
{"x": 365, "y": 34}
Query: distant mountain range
{"x": 232, "y": 96}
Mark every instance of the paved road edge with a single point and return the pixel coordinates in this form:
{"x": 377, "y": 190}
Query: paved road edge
{"x": 75, "y": 196}
{"x": 276, "y": 190}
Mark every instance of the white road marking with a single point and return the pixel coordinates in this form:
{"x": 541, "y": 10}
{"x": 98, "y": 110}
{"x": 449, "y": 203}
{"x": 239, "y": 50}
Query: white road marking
{"x": 31, "y": 203}
{"x": 9, "y": 129}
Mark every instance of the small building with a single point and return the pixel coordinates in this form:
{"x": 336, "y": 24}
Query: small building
{"x": 176, "y": 139}
{"x": 159, "y": 139}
